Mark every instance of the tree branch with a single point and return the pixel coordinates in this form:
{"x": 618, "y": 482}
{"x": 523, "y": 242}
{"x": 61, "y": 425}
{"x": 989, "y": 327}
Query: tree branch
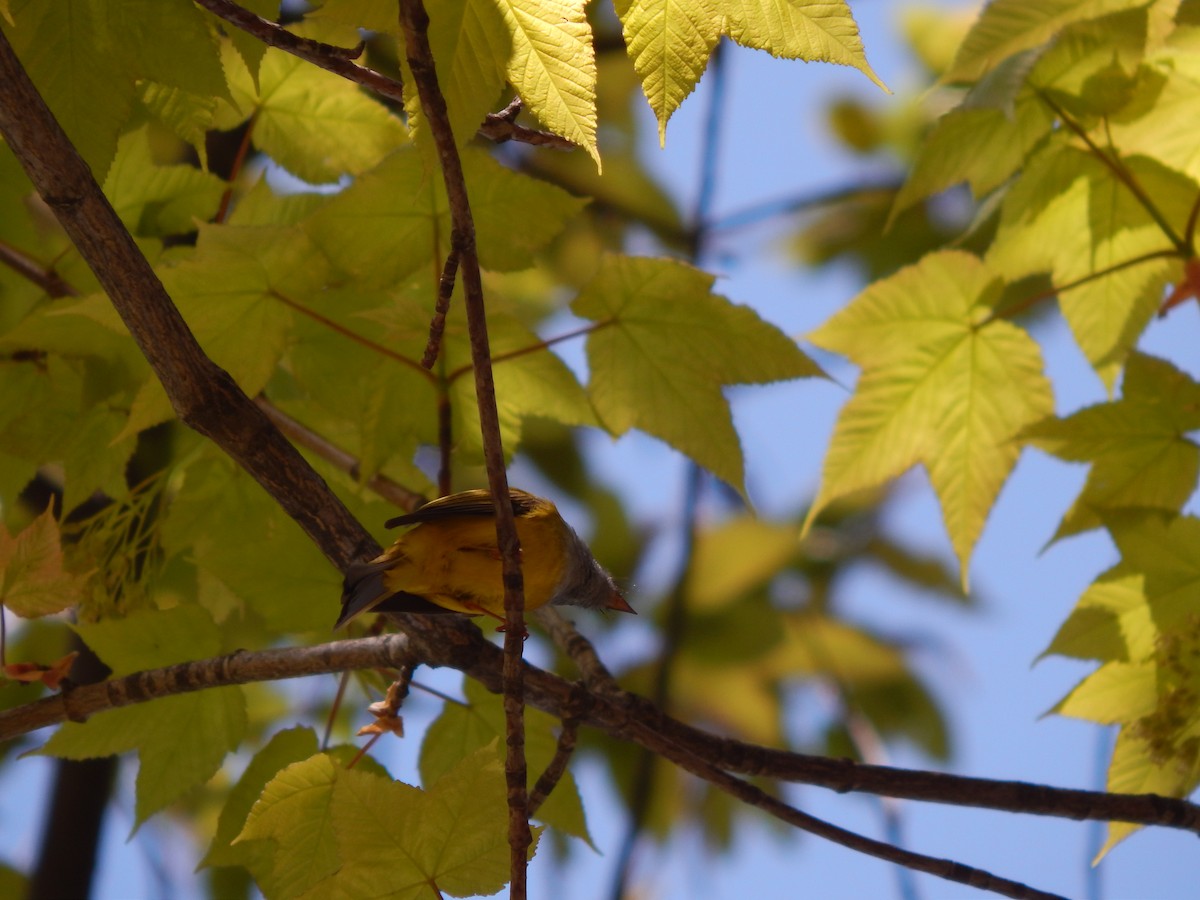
{"x": 79, "y": 703}
{"x": 415, "y": 23}
{"x": 496, "y": 126}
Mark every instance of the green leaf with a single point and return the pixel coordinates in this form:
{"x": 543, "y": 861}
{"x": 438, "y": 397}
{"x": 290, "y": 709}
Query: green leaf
{"x": 236, "y": 533}
{"x": 812, "y": 30}
{"x": 553, "y": 66}
{"x": 395, "y": 219}
{"x": 349, "y": 833}
{"x": 1069, "y": 215}
{"x": 669, "y": 42}
{"x": 942, "y": 384}
{"x": 1009, "y": 26}
{"x": 285, "y": 747}
{"x": 181, "y": 739}
{"x": 82, "y": 70}
{"x": 464, "y": 729}
{"x": 469, "y": 40}
{"x": 232, "y": 291}
{"x": 1154, "y": 122}
{"x": 663, "y": 348}
{"x": 315, "y": 124}
{"x": 32, "y": 579}
{"x": 157, "y": 200}
{"x": 293, "y": 814}
{"x": 250, "y": 48}
{"x": 1139, "y": 447}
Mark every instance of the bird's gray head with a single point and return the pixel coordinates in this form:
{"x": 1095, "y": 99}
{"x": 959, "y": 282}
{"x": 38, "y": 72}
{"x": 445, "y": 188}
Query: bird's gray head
{"x": 586, "y": 583}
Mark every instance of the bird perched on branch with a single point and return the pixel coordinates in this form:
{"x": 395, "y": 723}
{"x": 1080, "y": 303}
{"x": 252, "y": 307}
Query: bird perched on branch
{"x": 449, "y": 561}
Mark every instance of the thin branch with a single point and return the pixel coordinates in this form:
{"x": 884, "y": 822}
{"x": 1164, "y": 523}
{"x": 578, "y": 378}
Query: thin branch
{"x": 437, "y": 326}
{"x": 32, "y": 270}
{"x": 673, "y": 629}
{"x": 557, "y": 767}
{"x": 415, "y": 23}
{"x": 79, "y": 703}
{"x": 1122, "y": 174}
{"x": 942, "y": 868}
{"x": 239, "y": 160}
{"x": 327, "y": 56}
{"x": 335, "y": 59}
{"x": 595, "y": 674}
{"x": 385, "y": 487}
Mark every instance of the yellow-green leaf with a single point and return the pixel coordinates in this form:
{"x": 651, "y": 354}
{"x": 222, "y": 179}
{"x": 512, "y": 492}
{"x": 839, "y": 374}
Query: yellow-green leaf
{"x": 669, "y": 42}
{"x": 464, "y": 729}
{"x": 663, "y": 348}
{"x": 345, "y": 832}
{"x": 172, "y": 760}
{"x": 553, "y": 66}
{"x": 812, "y": 30}
{"x": 293, "y": 813}
{"x": 942, "y": 384}
{"x": 1068, "y": 214}
{"x": 284, "y": 748}
{"x": 1009, "y": 26}
{"x": 1139, "y": 447}
{"x": 317, "y": 125}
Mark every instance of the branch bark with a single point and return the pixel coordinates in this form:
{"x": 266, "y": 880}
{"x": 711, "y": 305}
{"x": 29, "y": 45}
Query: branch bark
{"x": 415, "y": 24}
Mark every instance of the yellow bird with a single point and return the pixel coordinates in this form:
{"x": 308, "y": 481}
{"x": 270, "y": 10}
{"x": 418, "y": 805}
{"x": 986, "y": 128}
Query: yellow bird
{"x": 448, "y": 560}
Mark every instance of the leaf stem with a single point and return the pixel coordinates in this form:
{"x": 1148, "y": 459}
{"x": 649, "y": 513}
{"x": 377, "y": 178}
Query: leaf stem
{"x": 1120, "y": 172}
{"x": 1025, "y": 303}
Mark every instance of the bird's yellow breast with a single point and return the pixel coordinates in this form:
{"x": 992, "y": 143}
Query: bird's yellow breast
{"x": 455, "y": 562}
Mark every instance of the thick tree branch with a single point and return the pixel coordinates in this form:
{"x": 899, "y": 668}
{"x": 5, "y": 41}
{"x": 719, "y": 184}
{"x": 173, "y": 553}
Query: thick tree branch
{"x": 415, "y": 24}
{"x": 79, "y": 703}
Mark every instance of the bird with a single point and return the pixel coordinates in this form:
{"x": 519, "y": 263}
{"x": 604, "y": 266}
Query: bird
{"x": 448, "y": 560}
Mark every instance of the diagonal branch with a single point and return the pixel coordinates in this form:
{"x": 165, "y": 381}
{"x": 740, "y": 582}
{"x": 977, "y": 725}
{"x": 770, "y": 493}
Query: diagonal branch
{"x": 496, "y": 126}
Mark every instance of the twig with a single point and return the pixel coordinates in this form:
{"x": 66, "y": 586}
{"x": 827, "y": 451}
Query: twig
{"x": 595, "y": 675}
{"x": 557, "y": 766}
{"x": 943, "y": 868}
{"x": 673, "y": 631}
{"x": 1122, "y": 174}
{"x": 327, "y": 56}
{"x": 415, "y": 23}
{"x": 335, "y": 59}
{"x": 1025, "y": 303}
{"x": 32, "y": 270}
{"x": 538, "y": 346}
{"x": 437, "y": 325}
{"x": 385, "y": 487}
{"x": 353, "y": 336}
{"x": 239, "y": 160}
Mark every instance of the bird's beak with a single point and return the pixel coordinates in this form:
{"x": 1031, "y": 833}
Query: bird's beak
{"x": 617, "y": 602}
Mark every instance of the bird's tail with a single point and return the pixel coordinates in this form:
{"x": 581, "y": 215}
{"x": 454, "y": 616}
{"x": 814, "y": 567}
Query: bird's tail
{"x": 362, "y": 589}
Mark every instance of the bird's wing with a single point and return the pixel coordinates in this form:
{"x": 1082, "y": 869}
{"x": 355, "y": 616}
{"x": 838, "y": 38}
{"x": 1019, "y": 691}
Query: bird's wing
{"x": 468, "y": 503}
